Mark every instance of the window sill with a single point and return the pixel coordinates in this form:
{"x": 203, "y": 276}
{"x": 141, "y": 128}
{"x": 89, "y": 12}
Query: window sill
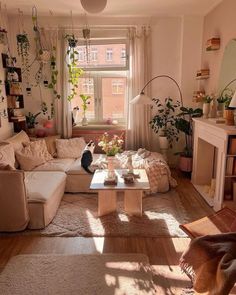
{"x": 99, "y": 127}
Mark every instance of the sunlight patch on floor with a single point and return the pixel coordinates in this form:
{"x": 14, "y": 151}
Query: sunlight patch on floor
{"x": 99, "y": 244}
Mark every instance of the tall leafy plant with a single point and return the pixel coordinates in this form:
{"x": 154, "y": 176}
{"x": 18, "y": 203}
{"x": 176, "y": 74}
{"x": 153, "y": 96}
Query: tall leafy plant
{"x": 184, "y": 123}
{"x": 164, "y": 120}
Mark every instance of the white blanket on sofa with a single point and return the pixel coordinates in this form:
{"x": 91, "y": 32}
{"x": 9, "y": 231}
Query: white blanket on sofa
{"x": 154, "y": 164}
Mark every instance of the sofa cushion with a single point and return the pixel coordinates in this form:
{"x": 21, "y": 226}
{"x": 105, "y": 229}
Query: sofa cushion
{"x": 70, "y": 148}
{"x": 50, "y": 143}
{"x": 41, "y": 186}
{"x": 18, "y": 139}
{"x": 7, "y": 156}
{"x": 76, "y": 168}
{"x": 56, "y": 165}
{"x": 33, "y": 154}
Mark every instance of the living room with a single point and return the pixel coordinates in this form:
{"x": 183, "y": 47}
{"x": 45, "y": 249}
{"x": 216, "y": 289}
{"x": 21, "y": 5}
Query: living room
{"x": 117, "y": 147}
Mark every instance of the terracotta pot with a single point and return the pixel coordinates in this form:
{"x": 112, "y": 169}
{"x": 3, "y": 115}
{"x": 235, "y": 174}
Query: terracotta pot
{"x": 229, "y": 117}
{"x": 185, "y": 164}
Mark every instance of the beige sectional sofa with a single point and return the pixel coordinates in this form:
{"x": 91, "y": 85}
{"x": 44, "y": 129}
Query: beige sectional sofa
{"x": 31, "y": 198}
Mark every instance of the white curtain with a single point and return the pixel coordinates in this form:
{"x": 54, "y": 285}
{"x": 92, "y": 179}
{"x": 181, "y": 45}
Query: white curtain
{"x": 63, "y": 114}
{"x": 139, "y": 116}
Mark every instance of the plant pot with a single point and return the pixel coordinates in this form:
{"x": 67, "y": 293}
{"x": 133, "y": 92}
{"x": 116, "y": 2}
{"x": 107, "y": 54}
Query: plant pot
{"x": 220, "y": 109}
{"x": 185, "y": 164}
{"x": 229, "y": 117}
{"x": 31, "y": 131}
{"x": 163, "y": 142}
{"x": 206, "y": 110}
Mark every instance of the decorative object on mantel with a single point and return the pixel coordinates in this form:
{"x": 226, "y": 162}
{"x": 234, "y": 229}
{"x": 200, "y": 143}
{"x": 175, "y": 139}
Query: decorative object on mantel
{"x": 111, "y": 147}
{"x": 92, "y": 6}
{"x": 229, "y": 108}
{"x": 207, "y": 99}
{"x": 203, "y": 74}
{"x": 213, "y": 44}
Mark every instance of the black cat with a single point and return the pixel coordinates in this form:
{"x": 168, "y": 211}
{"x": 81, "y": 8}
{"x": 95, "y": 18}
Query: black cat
{"x": 87, "y": 156}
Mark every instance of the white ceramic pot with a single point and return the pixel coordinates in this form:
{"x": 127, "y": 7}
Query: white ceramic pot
{"x": 206, "y": 110}
{"x": 163, "y": 142}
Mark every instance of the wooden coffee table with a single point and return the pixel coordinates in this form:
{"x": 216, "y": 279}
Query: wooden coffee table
{"x": 133, "y": 193}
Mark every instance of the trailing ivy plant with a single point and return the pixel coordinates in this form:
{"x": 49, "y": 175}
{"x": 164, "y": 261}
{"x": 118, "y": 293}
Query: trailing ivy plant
{"x": 54, "y": 74}
{"x": 45, "y": 111}
{"x": 23, "y": 47}
{"x": 164, "y": 120}
{"x": 74, "y": 71}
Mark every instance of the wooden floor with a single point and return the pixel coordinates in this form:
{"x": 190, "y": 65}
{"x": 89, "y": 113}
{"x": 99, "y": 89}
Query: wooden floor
{"x": 163, "y": 253}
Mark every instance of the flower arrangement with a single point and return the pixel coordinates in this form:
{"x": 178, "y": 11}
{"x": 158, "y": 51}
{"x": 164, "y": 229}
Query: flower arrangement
{"x": 111, "y": 146}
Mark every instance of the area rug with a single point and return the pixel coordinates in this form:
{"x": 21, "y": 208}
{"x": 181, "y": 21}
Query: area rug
{"x": 77, "y": 217}
{"x": 77, "y": 274}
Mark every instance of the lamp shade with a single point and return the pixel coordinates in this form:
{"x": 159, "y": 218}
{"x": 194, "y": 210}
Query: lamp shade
{"x": 93, "y": 6}
{"x": 142, "y": 99}
{"x": 233, "y": 101}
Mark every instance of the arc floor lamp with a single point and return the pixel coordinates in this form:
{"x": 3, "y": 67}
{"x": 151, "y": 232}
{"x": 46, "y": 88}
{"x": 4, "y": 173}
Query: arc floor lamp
{"x": 144, "y": 99}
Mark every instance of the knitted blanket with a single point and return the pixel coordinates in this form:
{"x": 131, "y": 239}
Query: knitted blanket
{"x": 210, "y": 261}
{"x": 154, "y": 164}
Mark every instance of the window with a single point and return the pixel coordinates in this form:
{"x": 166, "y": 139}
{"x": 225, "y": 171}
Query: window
{"x": 109, "y": 54}
{"x": 87, "y": 86}
{"x": 80, "y": 54}
{"x": 105, "y": 82}
{"x": 117, "y": 87}
{"x": 94, "y": 54}
{"x": 123, "y": 54}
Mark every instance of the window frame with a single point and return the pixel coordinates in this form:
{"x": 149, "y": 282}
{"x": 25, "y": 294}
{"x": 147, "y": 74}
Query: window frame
{"x": 97, "y": 73}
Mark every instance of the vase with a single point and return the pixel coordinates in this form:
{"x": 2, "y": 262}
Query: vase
{"x": 110, "y": 167}
{"x": 185, "y": 164}
{"x": 206, "y": 110}
{"x": 84, "y": 121}
{"x": 213, "y": 109}
{"x": 220, "y": 109}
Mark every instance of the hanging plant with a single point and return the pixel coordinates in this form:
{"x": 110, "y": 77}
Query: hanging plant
{"x": 23, "y": 47}
{"x": 74, "y": 71}
{"x": 3, "y": 36}
{"x": 45, "y": 111}
{"x": 54, "y": 74}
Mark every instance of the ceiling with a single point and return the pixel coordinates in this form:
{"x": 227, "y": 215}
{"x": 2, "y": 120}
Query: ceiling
{"x": 117, "y": 7}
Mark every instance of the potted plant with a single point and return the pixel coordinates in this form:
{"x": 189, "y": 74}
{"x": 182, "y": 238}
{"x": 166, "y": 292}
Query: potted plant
{"x": 163, "y": 123}
{"x": 228, "y": 112}
{"x": 111, "y": 146}
{"x": 221, "y": 100}
{"x": 207, "y": 99}
{"x": 23, "y": 46}
{"x": 184, "y": 123}
{"x": 73, "y": 69}
{"x": 31, "y": 121}
{"x": 85, "y": 103}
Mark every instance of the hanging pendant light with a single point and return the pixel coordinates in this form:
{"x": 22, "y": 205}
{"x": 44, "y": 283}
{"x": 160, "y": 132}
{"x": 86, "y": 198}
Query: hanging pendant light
{"x": 92, "y": 6}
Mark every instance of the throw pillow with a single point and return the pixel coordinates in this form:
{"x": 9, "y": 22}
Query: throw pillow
{"x": 7, "y": 155}
{"x": 50, "y": 143}
{"x": 70, "y": 148}
{"x": 18, "y": 139}
{"x": 33, "y": 155}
